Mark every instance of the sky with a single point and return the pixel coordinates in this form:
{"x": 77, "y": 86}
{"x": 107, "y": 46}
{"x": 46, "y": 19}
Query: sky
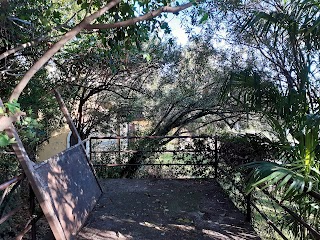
{"x": 177, "y": 31}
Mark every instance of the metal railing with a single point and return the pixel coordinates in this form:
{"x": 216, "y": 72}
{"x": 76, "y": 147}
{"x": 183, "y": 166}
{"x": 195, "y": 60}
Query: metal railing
{"x": 219, "y": 172}
{"x": 8, "y": 188}
{"x": 119, "y": 150}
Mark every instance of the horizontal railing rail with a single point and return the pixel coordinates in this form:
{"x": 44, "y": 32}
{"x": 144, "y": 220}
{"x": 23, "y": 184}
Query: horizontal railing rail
{"x": 150, "y": 151}
{"x": 11, "y": 181}
{"x": 294, "y": 215}
{"x": 154, "y": 137}
{"x": 8, "y": 187}
{"x": 150, "y": 164}
{"x": 314, "y": 194}
{"x": 250, "y": 202}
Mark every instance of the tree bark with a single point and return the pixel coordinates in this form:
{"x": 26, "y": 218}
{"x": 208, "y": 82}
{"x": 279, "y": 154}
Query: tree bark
{"x": 56, "y": 47}
{"x": 145, "y": 17}
{"x": 20, "y": 47}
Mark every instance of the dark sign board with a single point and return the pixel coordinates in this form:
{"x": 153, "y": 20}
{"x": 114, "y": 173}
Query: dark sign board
{"x": 69, "y": 189}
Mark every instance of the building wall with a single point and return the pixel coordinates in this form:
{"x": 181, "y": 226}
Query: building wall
{"x": 58, "y": 140}
{"x": 56, "y": 144}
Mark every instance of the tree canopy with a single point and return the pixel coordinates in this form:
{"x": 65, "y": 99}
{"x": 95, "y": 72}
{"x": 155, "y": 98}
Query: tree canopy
{"x": 115, "y": 60}
{"x": 34, "y": 32}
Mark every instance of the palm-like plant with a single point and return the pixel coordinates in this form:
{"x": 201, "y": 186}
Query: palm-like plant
{"x": 297, "y": 166}
{"x": 287, "y": 36}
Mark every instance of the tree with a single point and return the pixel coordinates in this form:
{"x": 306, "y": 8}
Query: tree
{"x": 101, "y": 92}
{"x": 124, "y": 16}
{"x": 280, "y": 83}
{"x": 186, "y": 91}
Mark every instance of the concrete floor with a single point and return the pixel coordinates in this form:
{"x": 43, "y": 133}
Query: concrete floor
{"x": 154, "y": 209}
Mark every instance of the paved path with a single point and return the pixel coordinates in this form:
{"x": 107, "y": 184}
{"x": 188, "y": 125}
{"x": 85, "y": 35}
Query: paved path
{"x": 153, "y": 209}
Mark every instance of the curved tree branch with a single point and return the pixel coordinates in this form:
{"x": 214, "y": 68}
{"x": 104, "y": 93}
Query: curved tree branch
{"x": 33, "y": 42}
{"x": 85, "y": 24}
{"x": 56, "y": 47}
{"x": 145, "y": 17}
{"x": 20, "y": 47}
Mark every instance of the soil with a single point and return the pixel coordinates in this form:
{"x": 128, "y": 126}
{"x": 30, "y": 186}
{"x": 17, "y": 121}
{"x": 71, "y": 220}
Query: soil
{"x": 142, "y": 209}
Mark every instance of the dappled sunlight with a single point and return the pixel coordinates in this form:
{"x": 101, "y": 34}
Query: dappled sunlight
{"x": 213, "y": 234}
{"x": 165, "y": 209}
{"x": 183, "y": 227}
{"x": 104, "y": 235}
{"x": 69, "y": 187}
{"x": 104, "y": 217}
{"x": 161, "y": 231}
{"x": 152, "y": 225}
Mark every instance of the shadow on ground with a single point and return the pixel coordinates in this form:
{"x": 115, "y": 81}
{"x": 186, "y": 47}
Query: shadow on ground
{"x": 154, "y": 209}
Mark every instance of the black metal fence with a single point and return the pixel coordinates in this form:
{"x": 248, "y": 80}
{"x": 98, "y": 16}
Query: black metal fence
{"x": 111, "y": 154}
{"x": 209, "y": 158}
{"x": 107, "y": 160}
{"x": 26, "y": 207}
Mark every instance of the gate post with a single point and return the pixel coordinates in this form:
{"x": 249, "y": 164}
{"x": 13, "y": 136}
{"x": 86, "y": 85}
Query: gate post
{"x": 248, "y": 207}
{"x": 33, "y": 232}
{"x": 216, "y": 157}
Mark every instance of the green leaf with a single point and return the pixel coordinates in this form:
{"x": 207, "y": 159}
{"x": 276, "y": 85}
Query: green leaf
{"x": 147, "y": 57}
{"x": 204, "y": 18}
{"x": 84, "y": 5}
{"x": 13, "y": 107}
{"x": 56, "y": 14}
{"x": 275, "y": 175}
{"x": 164, "y": 25}
{"x": 4, "y": 140}
{"x": 284, "y": 181}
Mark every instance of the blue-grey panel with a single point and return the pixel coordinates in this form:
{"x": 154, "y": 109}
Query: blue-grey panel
{"x": 73, "y": 189}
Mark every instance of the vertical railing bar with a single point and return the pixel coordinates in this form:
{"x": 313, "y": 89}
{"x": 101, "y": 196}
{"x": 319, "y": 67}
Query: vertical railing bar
{"x": 216, "y": 157}
{"x": 90, "y": 151}
{"x": 33, "y": 233}
{"x": 28, "y": 227}
{"x": 248, "y": 207}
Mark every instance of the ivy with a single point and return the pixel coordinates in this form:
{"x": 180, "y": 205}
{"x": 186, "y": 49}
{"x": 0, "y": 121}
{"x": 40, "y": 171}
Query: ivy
{"x": 27, "y": 125}
{"x": 11, "y": 107}
{"x": 5, "y": 140}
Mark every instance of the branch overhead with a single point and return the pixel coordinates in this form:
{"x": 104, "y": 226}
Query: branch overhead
{"x": 56, "y": 47}
{"x": 145, "y": 17}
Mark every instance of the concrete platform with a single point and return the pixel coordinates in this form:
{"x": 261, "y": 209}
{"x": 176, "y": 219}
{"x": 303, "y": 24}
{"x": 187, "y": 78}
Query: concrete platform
{"x": 152, "y": 209}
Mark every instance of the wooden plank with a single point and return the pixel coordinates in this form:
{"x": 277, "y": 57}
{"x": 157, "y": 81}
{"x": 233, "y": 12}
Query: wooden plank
{"x": 27, "y": 166}
{"x": 73, "y": 129}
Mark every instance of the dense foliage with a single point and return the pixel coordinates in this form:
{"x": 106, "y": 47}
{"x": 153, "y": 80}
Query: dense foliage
{"x": 246, "y": 62}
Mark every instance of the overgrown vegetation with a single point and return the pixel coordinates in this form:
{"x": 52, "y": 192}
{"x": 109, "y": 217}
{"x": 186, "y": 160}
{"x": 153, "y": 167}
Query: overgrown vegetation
{"x": 247, "y": 64}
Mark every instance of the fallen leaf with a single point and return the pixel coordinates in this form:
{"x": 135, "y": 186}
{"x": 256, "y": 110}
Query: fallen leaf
{"x": 184, "y": 220}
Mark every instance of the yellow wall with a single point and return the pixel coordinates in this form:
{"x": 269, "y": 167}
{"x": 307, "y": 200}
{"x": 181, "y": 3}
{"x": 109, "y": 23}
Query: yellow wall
{"x": 56, "y": 144}
{"x": 141, "y": 125}
{"x": 58, "y": 141}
